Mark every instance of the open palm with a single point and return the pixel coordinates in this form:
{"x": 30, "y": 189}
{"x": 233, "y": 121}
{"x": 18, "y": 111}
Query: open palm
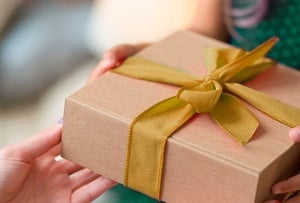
{"x": 29, "y": 173}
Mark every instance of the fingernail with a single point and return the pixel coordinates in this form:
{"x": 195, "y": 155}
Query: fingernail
{"x": 276, "y": 191}
{"x": 61, "y": 121}
{"x": 109, "y": 181}
{"x": 108, "y": 63}
{"x": 295, "y": 134}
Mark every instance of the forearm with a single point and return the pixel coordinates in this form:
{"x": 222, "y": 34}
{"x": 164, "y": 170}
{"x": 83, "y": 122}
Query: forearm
{"x": 209, "y": 19}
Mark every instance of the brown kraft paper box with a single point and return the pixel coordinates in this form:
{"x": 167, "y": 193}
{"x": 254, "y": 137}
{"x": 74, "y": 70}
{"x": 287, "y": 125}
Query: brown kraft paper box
{"x": 203, "y": 163}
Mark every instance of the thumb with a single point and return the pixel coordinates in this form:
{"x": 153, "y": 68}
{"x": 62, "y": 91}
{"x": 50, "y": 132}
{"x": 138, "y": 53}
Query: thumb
{"x": 39, "y": 144}
{"x": 112, "y": 58}
{"x": 295, "y": 134}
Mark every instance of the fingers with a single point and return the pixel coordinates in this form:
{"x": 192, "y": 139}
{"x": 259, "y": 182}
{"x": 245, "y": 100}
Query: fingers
{"x": 114, "y": 57}
{"x": 37, "y": 145}
{"x": 120, "y": 53}
{"x": 295, "y": 134}
{"x": 101, "y": 68}
{"x": 92, "y": 190}
{"x": 295, "y": 199}
{"x": 68, "y": 166}
{"x": 111, "y": 59}
{"x": 82, "y": 177}
{"x": 289, "y": 185}
{"x": 53, "y": 152}
{"x": 272, "y": 201}
{"x": 293, "y": 183}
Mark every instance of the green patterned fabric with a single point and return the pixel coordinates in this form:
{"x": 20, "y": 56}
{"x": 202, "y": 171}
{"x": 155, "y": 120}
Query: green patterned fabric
{"x": 282, "y": 20}
{"x": 121, "y": 194}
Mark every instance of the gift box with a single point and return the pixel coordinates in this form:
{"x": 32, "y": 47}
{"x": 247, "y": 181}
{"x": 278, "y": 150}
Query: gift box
{"x": 201, "y": 162}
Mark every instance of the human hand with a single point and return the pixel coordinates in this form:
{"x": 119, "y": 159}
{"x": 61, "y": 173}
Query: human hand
{"x": 29, "y": 173}
{"x": 113, "y": 58}
{"x": 292, "y": 184}
{"x": 295, "y": 134}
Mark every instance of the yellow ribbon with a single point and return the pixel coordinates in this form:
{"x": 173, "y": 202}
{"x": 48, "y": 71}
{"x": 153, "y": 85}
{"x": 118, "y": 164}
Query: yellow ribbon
{"x": 212, "y": 94}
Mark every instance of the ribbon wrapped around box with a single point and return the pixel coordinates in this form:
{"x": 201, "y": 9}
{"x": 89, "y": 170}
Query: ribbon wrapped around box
{"x": 227, "y": 67}
{"x": 212, "y": 93}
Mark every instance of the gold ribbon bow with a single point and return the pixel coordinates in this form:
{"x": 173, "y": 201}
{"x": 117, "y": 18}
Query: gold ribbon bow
{"x": 213, "y": 94}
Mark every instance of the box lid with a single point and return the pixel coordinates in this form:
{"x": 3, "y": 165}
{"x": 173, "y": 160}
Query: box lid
{"x": 123, "y": 98}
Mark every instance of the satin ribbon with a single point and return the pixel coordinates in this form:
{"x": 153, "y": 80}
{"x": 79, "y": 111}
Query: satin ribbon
{"x": 213, "y": 94}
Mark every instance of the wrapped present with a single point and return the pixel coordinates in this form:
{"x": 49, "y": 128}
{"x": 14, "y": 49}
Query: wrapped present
{"x": 136, "y": 126}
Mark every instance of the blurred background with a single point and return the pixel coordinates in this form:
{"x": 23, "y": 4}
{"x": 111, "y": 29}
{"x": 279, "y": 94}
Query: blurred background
{"x": 43, "y": 58}
{"x": 49, "y": 47}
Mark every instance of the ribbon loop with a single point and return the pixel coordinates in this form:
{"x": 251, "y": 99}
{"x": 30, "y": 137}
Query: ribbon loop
{"x": 150, "y": 130}
{"x": 233, "y": 116}
{"x": 230, "y": 70}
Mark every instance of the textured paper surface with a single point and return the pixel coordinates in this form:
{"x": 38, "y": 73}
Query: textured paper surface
{"x": 203, "y": 164}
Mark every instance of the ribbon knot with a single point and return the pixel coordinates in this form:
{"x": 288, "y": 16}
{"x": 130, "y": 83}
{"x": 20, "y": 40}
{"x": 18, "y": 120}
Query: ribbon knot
{"x": 227, "y": 68}
{"x": 211, "y": 76}
{"x": 203, "y": 97}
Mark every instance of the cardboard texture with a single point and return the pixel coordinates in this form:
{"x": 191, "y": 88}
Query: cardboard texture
{"x": 203, "y": 163}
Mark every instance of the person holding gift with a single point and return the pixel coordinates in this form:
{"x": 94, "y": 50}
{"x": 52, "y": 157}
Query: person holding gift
{"x": 246, "y": 24}
{"x": 22, "y": 164}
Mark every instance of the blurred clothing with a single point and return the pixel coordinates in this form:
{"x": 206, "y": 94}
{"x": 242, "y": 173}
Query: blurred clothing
{"x": 281, "y": 20}
{"x": 47, "y": 40}
{"x": 122, "y": 194}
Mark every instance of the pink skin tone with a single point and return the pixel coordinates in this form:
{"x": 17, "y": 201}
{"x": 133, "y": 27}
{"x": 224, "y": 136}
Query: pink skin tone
{"x": 30, "y": 173}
